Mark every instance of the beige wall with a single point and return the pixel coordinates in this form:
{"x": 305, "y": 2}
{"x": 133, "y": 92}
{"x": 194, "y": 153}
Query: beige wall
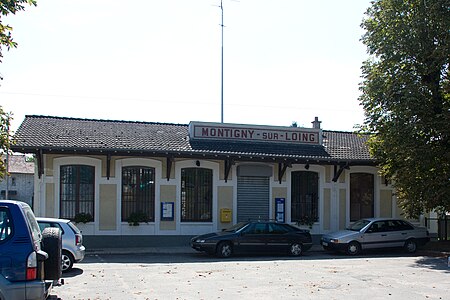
{"x": 326, "y": 208}
{"x": 107, "y": 207}
{"x": 50, "y": 200}
{"x": 278, "y": 192}
{"x": 328, "y": 173}
{"x": 342, "y": 208}
{"x": 225, "y": 200}
{"x": 386, "y": 203}
{"x": 168, "y": 193}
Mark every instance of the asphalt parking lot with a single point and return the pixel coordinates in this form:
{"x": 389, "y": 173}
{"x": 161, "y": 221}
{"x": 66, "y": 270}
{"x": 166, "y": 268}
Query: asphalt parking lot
{"x": 312, "y": 276}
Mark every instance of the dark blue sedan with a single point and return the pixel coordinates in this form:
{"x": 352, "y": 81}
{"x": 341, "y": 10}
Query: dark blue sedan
{"x": 255, "y": 237}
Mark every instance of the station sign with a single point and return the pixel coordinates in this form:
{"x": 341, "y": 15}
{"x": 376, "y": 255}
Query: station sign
{"x": 255, "y": 133}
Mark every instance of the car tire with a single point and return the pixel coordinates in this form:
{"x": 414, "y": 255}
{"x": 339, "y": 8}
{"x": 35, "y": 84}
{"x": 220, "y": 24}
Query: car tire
{"x": 224, "y": 250}
{"x": 410, "y": 246}
{"x": 67, "y": 261}
{"x": 296, "y": 249}
{"x": 52, "y": 244}
{"x": 353, "y": 248}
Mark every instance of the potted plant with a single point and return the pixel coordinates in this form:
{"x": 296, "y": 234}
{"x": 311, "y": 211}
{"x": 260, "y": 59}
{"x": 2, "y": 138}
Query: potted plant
{"x": 137, "y": 217}
{"x": 307, "y": 220}
{"x": 83, "y": 218}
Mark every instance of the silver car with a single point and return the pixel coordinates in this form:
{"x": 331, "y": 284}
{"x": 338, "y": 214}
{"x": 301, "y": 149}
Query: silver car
{"x": 375, "y": 233}
{"x": 72, "y": 240}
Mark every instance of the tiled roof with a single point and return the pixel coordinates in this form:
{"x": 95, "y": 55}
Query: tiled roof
{"x": 17, "y": 164}
{"x": 71, "y": 134}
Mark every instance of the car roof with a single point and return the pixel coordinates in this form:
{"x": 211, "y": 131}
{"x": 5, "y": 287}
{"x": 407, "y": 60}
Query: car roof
{"x": 55, "y": 220}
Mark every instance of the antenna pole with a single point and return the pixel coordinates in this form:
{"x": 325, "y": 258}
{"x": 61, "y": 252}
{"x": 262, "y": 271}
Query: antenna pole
{"x": 221, "y": 86}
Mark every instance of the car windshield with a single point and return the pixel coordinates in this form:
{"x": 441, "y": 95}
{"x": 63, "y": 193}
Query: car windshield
{"x": 358, "y": 225}
{"x": 236, "y": 227}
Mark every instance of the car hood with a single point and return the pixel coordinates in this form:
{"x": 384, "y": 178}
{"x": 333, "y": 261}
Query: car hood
{"x": 340, "y": 234}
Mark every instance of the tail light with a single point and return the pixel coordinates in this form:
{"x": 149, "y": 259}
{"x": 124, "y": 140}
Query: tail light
{"x": 78, "y": 239}
{"x": 31, "y": 272}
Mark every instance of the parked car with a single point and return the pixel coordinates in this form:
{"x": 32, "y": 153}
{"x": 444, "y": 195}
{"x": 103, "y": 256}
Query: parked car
{"x": 375, "y": 233}
{"x": 30, "y": 261}
{"x": 255, "y": 237}
{"x": 72, "y": 240}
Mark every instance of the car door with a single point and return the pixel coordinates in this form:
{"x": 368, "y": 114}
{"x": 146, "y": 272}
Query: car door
{"x": 252, "y": 239}
{"x": 376, "y": 235}
{"x": 277, "y": 238}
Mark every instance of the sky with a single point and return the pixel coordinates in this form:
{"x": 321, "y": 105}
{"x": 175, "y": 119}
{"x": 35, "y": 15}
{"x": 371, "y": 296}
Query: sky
{"x": 284, "y": 61}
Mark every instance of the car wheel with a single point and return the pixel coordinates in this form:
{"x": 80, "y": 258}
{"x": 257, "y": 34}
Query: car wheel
{"x": 52, "y": 243}
{"x": 224, "y": 249}
{"x": 67, "y": 261}
{"x": 410, "y": 246}
{"x": 353, "y": 248}
{"x": 296, "y": 249}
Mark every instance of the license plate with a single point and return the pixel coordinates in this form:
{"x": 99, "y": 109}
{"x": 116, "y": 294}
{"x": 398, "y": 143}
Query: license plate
{"x": 325, "y": 244}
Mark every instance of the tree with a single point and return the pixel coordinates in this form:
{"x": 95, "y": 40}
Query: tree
{"x": 5, "y": 140}
{"x": 10, "y": 7}
{"x": 406, "y": 99}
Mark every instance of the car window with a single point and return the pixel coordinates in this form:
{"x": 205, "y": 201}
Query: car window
{"x": 44, "y": 224}
{"x": 358, "y": 225}
{"x": 405, "y": 225}
{"x": 31, "y": 220}
{"x": 260, "y": 228}
{"x": 6, "y": 229}
{"x": 74, "y": 228}
{"x": 236, "y": 227}
{"x": 277, "y": 229}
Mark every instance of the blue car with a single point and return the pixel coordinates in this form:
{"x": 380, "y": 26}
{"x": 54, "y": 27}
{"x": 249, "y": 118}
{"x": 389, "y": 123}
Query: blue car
{"x": 30, "y": 262}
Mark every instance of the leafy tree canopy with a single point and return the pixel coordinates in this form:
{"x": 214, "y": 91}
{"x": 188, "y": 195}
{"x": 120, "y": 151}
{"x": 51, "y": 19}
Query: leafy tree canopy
{"x": 5, "y": 119}
{"x": 406, "y": 98}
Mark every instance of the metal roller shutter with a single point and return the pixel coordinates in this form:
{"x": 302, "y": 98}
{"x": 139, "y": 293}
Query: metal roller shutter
{"x": 252, "y": 198}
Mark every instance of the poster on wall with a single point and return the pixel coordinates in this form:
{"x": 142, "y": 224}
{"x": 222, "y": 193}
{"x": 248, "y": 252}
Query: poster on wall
{"x": 279, "y": 209}
{"x": 167, "y": 211}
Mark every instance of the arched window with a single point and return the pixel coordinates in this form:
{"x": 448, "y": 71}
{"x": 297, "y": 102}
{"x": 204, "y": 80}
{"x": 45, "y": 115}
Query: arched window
{"x": 304, "y": 196}
{"x": 196, "y": 195}
{"x": 138, "y": 193}
{"x": 76, "y": 190}
{"x": 361, "y": 196}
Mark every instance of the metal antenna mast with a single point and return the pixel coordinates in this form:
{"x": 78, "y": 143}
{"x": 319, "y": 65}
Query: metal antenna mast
{"x": 221, "y": 83}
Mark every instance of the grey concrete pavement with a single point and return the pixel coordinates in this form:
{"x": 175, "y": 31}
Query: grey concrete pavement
{"x": 316, "y": 275}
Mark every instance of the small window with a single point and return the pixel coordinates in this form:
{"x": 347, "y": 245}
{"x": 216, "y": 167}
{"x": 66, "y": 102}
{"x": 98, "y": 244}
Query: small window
{"x": 6, "y": 229}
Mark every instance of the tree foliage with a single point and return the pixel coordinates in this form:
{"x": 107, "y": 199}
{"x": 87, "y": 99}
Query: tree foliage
{"x": 406, "y": 98}
{"x": 5, "y": 139}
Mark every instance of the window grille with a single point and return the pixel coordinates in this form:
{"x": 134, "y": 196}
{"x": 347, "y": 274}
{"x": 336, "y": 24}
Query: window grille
{"x": 304, "y": 196}
{"x": 361, "y": 196}
{"x": 138, "y": 192}
{"x": 76, "y": 190}
{"x": 196, "y": 195}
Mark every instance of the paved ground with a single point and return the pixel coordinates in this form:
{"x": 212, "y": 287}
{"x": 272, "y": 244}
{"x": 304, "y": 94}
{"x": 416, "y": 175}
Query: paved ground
{"x": 317, "y": 275}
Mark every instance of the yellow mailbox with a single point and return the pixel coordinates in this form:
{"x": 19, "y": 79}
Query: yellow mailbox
{"x": 225, "y": 215}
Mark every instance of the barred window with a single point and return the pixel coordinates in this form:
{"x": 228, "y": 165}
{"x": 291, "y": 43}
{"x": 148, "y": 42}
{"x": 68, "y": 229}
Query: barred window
{"x": 304, "y": 196}
{"x": 138, "y": 193}
{"x": 196, "y": 195}
{"x": 76, "y": 190}
{"x": 361, "y": 196}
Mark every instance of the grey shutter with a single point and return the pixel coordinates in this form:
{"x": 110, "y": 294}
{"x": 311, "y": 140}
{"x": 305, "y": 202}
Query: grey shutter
{"x": 252, "y": 198}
